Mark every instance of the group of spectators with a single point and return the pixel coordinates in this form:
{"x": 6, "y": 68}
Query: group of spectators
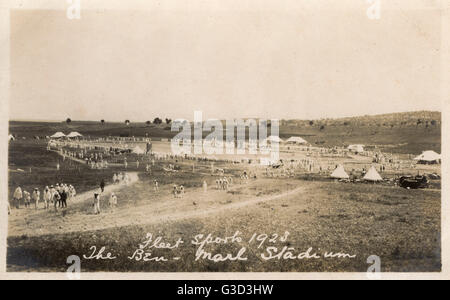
{"x": 57, "y": 196}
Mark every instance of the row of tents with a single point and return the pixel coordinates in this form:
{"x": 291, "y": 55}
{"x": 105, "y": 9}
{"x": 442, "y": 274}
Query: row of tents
{"x": 59, "y": 135}
{"x": 371, "y": 175}
{"x": 426, "y": 157}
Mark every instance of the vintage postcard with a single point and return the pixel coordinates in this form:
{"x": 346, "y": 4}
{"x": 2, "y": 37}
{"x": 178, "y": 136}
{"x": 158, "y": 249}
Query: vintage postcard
{"x": 224, "y": 139}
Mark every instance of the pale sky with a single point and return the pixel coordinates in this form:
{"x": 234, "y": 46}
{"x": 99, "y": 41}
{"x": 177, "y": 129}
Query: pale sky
{"x": 287, "y": 64}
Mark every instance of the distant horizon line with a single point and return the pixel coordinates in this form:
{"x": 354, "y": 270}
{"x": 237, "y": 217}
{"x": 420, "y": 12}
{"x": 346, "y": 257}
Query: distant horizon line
{"x": 223, "y": 119}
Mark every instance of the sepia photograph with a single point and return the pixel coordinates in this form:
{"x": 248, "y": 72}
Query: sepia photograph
{"x": 224, "y": 137}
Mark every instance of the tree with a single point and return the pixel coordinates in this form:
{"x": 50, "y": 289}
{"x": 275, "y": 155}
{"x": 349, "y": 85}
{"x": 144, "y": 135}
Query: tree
{"x": 102, "y": 121}
{"x": 322, "y": 127}
{"x": 311, "y": 123}
{"x": 68, "y": 121}
{"x": 157, "y": 121}
{"x": 127, "y": 122}
{"x": 148, "y": 123}
{"x": 168, "y": 121}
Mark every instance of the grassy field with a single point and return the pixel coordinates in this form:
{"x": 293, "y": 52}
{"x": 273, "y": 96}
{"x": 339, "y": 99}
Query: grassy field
{"x": 402, "y": 227}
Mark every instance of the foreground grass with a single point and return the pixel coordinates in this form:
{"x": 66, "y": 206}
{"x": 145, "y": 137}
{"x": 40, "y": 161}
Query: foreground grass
{"x": 402, "y": 227}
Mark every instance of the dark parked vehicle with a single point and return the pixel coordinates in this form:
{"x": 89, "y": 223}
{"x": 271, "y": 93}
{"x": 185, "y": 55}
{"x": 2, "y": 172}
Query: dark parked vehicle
{"x": 409, "y": 182}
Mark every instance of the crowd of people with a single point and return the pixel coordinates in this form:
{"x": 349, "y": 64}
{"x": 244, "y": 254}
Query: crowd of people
{"x": 178, "y": 191}
{"x": 224, "y": 183}
{"x": 112, "y": 203}
{"x": 56, "y": 196}
{"x": 121, "y": 178}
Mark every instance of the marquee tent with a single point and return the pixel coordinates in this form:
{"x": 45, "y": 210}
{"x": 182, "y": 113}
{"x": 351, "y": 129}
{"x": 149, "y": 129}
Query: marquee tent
{"x": 74, "y": 134}
{"x": 274, "y": 139}
{"x": 138, "y": 150}
{"x": 373, "y": 175}
{"x": 428, "y": 157}
{"x": 58, "y": 135}
{"x": 340, "y": 173}
{"x": 356, "y": 148}
{"x": 296, "y": 140}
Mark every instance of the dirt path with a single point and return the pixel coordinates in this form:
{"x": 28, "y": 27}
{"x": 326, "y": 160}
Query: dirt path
{"x": 195, "y": 204}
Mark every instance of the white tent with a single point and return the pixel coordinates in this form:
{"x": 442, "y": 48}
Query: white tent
{"x": 373, "y": 175}
{"x": 428, "y": 156}
{"x": 356, "y": 148}
{"x": 296, "y": 140}
{"x": 138, "y": 150}
{"x": 11, "y": 137}
{"x": 74, "y": 134}
{"x": 58, "y": 135}
{"x": 340, "y": 173}
{"x": 274, "y": 139}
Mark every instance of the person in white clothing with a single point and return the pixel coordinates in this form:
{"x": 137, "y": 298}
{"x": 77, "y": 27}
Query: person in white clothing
{"x": 113, "y": 201}
{"x": 18, "y": 195}
{"x": 47, "y": 197}
{"x": 96, "y": 203}
{"x": 27, "y": 198}
{"x": 36, "y": 197}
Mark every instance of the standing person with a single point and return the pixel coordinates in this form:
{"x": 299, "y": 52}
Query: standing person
{"x": 36, "y": 197}
{"x": 51, "y": 193}
{"x": 225, "y": 183}
{"x": 56, "y": 197}
{"x": 63, "y": 198}
{"x": 113, "y": 201}
{"x": 60, "y": 189}
{"x": 72, "y": 191}
{"x": 181, "y": 191}
{"x": 156, "y": 185}
{"x": 27, "y": 198}
{"x": 18, "y": 195}
{"x": 205, "y": 187}
{"x": 96, "y": 203}
{"x": 102, "y": 185}
{"x": 47, "y": 197}
{"x": 175, "y": 191}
